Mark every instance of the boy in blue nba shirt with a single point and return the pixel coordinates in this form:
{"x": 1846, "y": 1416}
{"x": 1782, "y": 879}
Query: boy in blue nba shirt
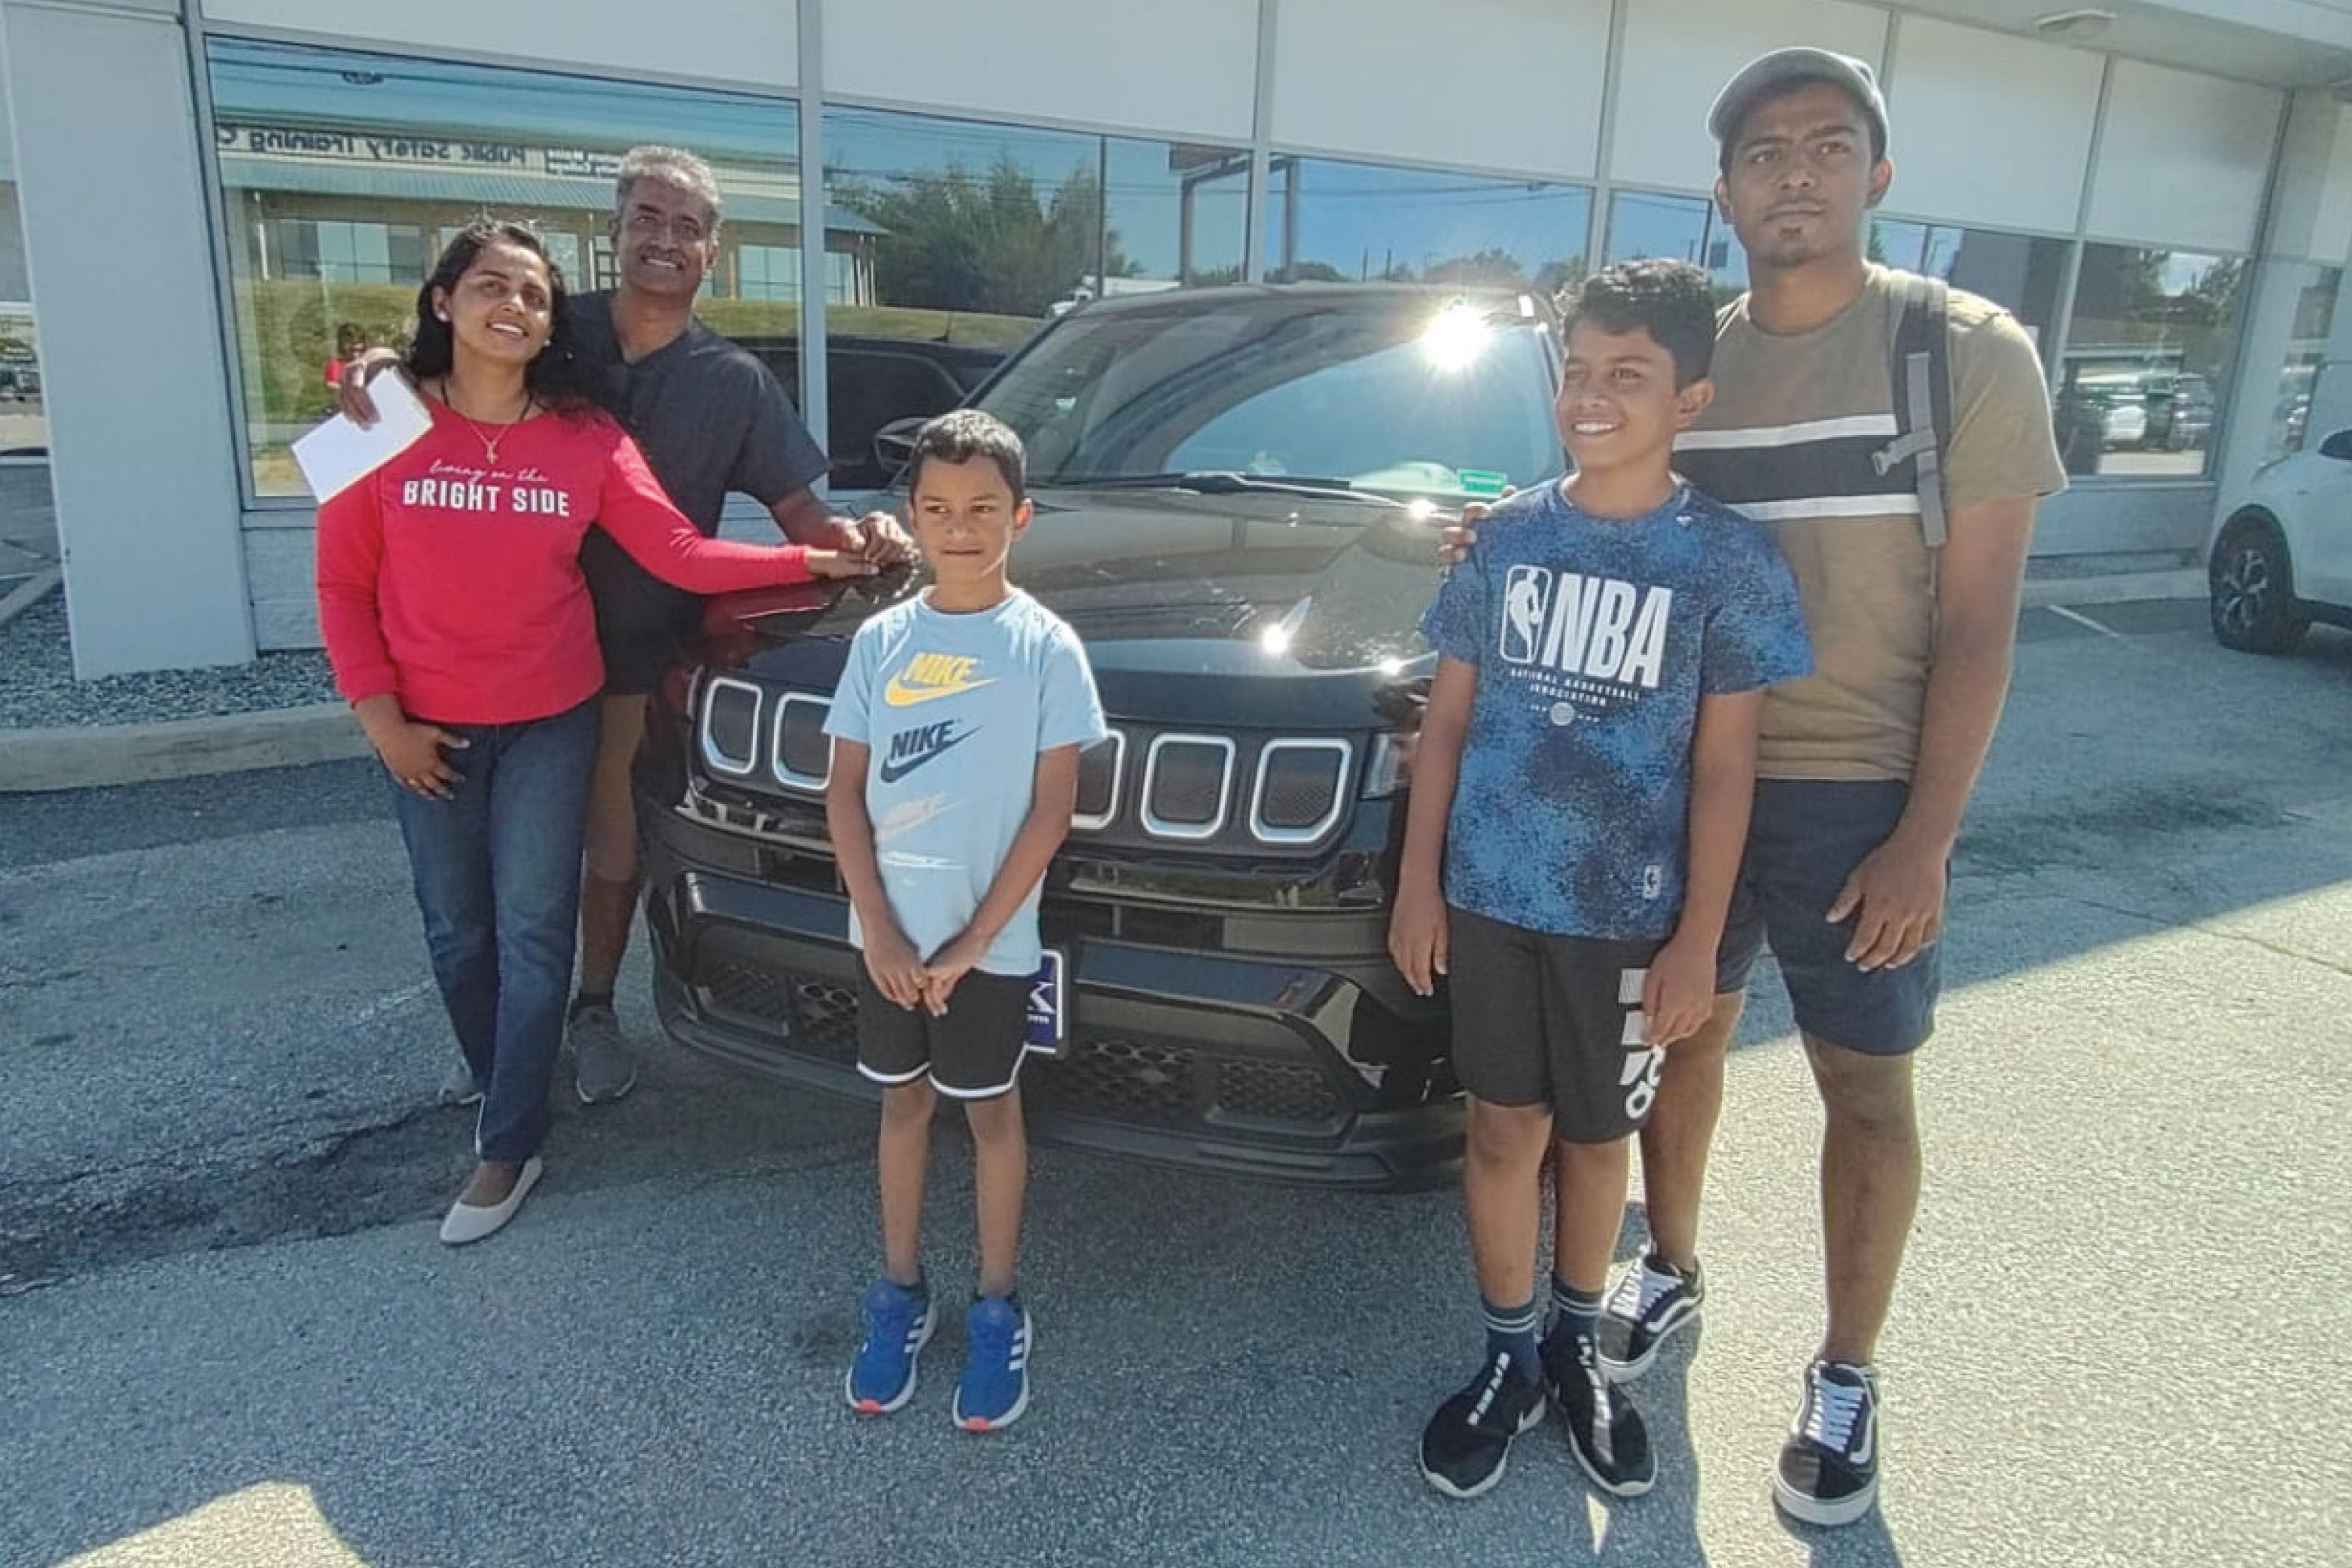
{"x": 957, "y": 728}
{"x": 1580, "y": 792}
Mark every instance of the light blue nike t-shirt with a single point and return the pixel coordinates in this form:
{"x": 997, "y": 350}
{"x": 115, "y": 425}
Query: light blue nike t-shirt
{"x": 955, "y": 710}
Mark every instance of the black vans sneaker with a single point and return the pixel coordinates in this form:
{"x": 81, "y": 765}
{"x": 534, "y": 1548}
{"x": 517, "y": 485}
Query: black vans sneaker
{"x": 1464, "y": 1447}
{"x": 1653, "y": 1299}
{"x": 1603, "y": 1427}
{"x": 1829, "y": 1467}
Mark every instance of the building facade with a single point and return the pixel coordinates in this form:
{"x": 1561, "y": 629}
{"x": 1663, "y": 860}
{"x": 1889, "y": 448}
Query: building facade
{"x": 205, "y": 205}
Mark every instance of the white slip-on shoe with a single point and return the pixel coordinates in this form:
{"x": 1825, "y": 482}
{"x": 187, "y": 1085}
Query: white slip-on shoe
{"x": 472, "y": 1222}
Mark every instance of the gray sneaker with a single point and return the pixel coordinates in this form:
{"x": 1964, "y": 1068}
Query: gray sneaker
{"x": 457, "y": 1085}
{"x": 601, "y": 1066}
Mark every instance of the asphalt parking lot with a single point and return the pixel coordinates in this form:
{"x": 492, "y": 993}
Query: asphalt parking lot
{"x": 228, "y": 1336}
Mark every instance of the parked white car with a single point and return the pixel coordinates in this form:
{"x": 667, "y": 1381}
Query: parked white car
{"x": 2283, "y": 559}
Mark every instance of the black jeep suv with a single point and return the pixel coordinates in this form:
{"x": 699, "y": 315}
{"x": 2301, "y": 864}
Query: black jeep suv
{"x": 1238, "y": 492}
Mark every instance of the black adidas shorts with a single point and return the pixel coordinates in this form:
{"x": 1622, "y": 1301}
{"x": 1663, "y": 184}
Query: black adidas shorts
{"x": 972, "y": 1054}
{"x": 1540, "y": 1020}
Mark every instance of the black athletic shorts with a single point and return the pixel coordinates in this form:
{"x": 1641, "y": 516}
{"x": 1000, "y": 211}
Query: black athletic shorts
{"x": 972, "y": 1054}
{"x": 1804, "y": 839}
{"x": 1542, "y": 1020}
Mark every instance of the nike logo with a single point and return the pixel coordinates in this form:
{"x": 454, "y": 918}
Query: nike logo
{"x": 910, "y": 749}
{"x": 930, "y": 676}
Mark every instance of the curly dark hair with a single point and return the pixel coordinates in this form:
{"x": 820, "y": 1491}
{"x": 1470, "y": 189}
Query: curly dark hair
{"x": 1671, "y": 301}
{"x": 961, "y": 434}
{"x": 555, "y": 378}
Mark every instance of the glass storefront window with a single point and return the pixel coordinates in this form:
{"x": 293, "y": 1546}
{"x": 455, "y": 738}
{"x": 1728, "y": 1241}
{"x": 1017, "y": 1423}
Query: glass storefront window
{"x": 24, "y": 418}
{"x": 2148, "y": 352}
{"x": 977, "y": 233}
{"x": 343, "y": 174}
{"x": 1362, "y": 222}
{"x": 2288, "y": 426}
{"x": 2019, "y": 271}
{"x": 1679, "y": 228}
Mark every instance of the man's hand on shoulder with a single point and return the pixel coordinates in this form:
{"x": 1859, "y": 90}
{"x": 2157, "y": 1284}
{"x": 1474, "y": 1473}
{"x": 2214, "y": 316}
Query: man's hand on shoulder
{"x": 351, "y": 398}
{"x": 1453, "y": 544}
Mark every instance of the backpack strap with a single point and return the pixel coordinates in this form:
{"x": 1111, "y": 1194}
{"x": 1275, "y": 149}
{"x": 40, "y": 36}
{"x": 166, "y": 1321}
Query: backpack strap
{"x": 1921, "y": 372}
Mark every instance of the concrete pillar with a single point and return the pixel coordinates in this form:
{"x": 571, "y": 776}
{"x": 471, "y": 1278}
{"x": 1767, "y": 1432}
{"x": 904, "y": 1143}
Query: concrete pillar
{"x": 118, "y": 246}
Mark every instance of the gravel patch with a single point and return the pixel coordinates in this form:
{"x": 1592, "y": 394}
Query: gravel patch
{"x": 38, "y": 689}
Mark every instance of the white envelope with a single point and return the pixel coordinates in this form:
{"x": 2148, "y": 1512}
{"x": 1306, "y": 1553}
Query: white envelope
{"x": 338, "y": 452}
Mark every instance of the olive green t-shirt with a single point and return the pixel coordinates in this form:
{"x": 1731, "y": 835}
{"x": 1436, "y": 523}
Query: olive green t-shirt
{"x": 1790, "y": 440}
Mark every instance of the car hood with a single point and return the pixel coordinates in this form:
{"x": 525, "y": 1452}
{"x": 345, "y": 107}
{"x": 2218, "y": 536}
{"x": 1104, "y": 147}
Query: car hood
{"x": 1273, "y": 608}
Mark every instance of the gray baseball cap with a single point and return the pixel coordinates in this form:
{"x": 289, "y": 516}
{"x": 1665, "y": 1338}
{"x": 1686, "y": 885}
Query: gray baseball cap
{"x": 1767, "y": 74}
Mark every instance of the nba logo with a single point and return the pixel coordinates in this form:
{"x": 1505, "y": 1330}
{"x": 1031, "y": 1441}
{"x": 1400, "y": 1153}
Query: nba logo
{"x": 1527, "y": 595}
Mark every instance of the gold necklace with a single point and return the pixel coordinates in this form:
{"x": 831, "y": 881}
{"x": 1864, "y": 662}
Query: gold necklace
{"x": 489, "y": 443}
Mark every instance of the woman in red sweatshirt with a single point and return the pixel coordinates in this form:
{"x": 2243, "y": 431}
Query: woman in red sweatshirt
{"x": 460, "y": 630}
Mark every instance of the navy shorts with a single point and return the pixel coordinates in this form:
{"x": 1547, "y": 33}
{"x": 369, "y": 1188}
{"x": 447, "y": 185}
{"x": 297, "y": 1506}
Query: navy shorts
{"x": 1544, "y": 1020}
{"x": 972, "y": 1054}
{"x": 1804, "y": 839}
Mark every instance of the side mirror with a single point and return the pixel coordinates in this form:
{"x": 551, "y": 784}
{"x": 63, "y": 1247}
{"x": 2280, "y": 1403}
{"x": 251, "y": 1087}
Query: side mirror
{"x": 894, "y": 443}
{"x": 2338, "y": 446}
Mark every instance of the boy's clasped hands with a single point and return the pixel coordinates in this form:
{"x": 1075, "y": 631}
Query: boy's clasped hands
{"x": 907, "y": 978}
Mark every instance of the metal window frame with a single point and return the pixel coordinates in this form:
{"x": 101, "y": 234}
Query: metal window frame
{"x": 1188, "y": 832}
{"x": 712, "y": 757}
{"x": 1266, "y": 834}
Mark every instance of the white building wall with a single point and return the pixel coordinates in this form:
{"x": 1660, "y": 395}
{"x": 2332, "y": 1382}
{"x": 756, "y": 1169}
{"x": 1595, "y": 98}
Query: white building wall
{"x": 144, "y": 465}
{"x": 1990, "y": 130}
{"x": 1352, "y": 79}
{"x": 1188, "y": 70}
{"x": 753, "y": 42}
{"x": 2184, "y": 161}
{"x": 1679, "y": 53}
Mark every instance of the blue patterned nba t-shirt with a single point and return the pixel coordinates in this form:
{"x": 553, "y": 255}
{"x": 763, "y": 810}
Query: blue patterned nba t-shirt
{"x": 955, "y": 708}
{"x": 1595, "y": 640}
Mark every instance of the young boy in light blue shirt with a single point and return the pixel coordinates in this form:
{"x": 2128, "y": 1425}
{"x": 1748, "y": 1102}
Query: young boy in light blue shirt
{"x": 957, "y": 728}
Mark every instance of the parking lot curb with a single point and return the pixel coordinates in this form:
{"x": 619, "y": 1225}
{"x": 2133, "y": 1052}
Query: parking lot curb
{"x": 91, "y": 755}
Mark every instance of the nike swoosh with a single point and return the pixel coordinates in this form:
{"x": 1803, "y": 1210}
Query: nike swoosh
{"x": 898, "y": 694}
{"x": 892, "y": 773}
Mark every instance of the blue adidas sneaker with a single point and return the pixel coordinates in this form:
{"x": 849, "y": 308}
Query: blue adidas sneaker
{"x": 899, "y": 1323}
{"x": 996, "y": 1386}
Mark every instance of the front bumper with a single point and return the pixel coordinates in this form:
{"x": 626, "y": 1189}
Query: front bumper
{"x": 1311, "y": 1064}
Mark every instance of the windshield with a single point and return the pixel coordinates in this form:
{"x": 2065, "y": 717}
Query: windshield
{"x": 1410, "y": 394}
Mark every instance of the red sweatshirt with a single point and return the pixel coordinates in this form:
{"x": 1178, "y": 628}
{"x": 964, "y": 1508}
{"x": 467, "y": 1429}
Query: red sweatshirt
{"x": 455, "y": 581}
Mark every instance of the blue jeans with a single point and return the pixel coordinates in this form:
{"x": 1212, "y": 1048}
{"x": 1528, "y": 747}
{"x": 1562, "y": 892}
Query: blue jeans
{"x": 497, "y": 879}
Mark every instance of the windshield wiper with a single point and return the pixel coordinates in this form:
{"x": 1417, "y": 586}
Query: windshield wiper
{"x": 1222, "y": 482}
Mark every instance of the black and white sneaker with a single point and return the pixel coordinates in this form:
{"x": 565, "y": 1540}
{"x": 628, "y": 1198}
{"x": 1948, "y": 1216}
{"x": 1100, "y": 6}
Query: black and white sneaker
{"x": 1465, "y": 1444}
{"x": 1611, "y": 1441}
{"x": 1829, "y": 1467}
{"x": 1652, "y": 1300}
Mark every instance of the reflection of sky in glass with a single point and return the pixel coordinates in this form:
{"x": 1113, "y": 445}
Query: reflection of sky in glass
{"x": 1146, "y": 206}
{"x": 876, "y": 148}
{"x": 344, "y": 89}
{"x": 1363, "y": 219}
{"x": 1640, "y": 224}
{"x": 1679, "y": 228}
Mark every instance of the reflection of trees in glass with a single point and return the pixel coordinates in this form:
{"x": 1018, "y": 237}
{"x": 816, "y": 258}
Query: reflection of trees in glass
{"x": 986, "y": 242}
{"x": 1493, "y": 268}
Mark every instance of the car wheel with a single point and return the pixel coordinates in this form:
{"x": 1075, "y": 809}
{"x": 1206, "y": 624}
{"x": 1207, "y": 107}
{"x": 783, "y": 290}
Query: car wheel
{"x": 2253, "y": 588}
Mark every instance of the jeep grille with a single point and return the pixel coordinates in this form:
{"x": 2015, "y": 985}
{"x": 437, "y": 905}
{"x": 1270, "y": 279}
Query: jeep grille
{"x": 1288, "y": 793}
